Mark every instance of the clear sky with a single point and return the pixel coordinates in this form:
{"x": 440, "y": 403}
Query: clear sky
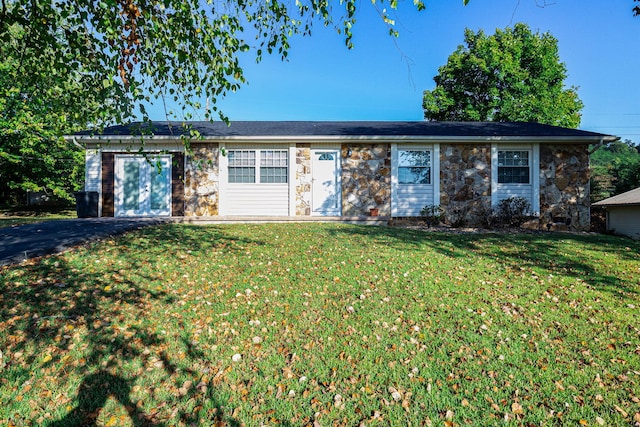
{"x": 383, "y": 78}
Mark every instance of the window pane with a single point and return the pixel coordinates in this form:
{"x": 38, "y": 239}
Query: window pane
{"x": 273, "y": 175}
{"x": 242, "y": 175}
{"x": 273, "y": 166}
{"x": 513, "y": 167}
{"x": 414, "y": 175}
{"x": 159, "y": 186}
{"x": 242, "y": 158}
{"x": 326, "y": 156}
{"x": 414, "y": 158}
{"x": 513, "y": 158}
{"x": 131, "y": 185}
{"x": 513, "y": 175}
{"x": 414, "y": 166}
{"x": 242, "y": 166}
{"x": 273, "y": 158}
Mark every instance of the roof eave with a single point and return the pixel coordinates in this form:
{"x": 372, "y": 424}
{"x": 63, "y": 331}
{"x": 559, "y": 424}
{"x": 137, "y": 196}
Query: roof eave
{"x": 96, "y": 139}
{"x": 609, "y": 205}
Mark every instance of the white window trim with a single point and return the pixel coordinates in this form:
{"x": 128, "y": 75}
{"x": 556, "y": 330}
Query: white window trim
{"x": 292, "y": 182}
{"x": 257, "y": 165}
{"x": 435, "y": 172}
{"x": 428, "y": 165}
{"x": 534, "y": 172}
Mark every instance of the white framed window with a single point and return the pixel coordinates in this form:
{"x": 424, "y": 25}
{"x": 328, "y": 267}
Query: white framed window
{"x": 273, "y": 166}
{"x": 258, "y": 166}
{"x": 514, "y": 167}
{"x": 414, "y": 167}
{"x": 242, "y": 166}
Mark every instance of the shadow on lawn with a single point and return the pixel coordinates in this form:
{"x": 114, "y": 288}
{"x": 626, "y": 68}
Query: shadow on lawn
{"x": 85, "y": 323}
{"x": 548, "y": 251}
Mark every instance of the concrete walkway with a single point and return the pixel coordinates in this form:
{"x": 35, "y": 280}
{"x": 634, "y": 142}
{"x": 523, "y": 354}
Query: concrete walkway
{"x": 22, "y": 242}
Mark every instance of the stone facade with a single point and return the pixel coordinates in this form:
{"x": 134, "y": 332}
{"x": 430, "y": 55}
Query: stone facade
{"x": 465, "y": 181}
{"x": 366, "y": 179}
{"x": 201, "y": 190}
{"x": 564, "y": 187}
{"x": 303, "y": 179}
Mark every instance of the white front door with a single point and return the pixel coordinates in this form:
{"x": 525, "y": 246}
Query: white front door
{"x": 325, "y": 190}
{"x": 142, "y": 185}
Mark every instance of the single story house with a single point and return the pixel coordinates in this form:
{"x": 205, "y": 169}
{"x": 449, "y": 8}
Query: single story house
{"x": 623, "y": 213}
{"x": 339, "y": 169}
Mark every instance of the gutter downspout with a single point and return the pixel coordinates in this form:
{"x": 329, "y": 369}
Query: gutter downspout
{"x": 598, "y": 145}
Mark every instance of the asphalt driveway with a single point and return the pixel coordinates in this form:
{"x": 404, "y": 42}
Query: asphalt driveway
{"x": 22, "y": 242}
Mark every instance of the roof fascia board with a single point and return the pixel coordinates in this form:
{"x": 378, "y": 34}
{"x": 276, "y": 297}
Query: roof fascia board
{"x": 342, "y": 138}
{"x": 617, "y": 205}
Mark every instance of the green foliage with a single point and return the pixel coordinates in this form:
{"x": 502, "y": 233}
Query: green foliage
{"x": 337, "y": 325}
{"x": 615, "y": 169}
{"x": 513, "y": 75}
{"x": 42, "y": 96}
{"x": 432, "y": 214}
{"x": 457, "y": 214}
{"x": 513, "y": 212}
{"x": 77, "y": 64}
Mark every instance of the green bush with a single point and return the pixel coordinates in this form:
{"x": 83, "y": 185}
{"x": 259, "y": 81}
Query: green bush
{"x": 431, "y": 214}
{"x": 457, "y": 214}
{"x": 513, "y": 212}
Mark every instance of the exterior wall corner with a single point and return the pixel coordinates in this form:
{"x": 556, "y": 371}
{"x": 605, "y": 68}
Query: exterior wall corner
{"x": 201, "y": 180}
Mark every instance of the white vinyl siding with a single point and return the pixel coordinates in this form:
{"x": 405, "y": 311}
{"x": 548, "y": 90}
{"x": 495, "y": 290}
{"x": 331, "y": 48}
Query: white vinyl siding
{"x": 517, "y": 157}
{"x": 624, "y": 220}
{"x": 93, "y": 171}
{"x": 408, "y": 199}
{"x": 249, "y": 176}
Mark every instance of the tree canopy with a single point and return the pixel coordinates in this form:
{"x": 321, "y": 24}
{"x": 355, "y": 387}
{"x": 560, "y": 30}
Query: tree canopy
{"x": 513, "y": 75}
{"x": 75, "y": 64}
{"x": 615, "y": 169}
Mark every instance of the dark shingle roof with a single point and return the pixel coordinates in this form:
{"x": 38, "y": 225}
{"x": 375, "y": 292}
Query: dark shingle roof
{"x": 349, "y": 129}
{"x": 625, "y": 199}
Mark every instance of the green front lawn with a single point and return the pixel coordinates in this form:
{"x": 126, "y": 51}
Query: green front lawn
{"x": 27, "y": 215}
{"x": 324, "y": 324}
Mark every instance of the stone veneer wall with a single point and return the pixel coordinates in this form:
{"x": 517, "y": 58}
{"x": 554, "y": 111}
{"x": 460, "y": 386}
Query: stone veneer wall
{"x": 465, "y": 181}
{"x": 303, "y": 179}
{"x": 564, "y": 187}
{"x": 201, "y": 176}
{"x": 366, "y": 179}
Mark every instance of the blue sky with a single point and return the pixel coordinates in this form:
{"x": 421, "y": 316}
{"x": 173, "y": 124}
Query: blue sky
{"x": 383, "y": 78}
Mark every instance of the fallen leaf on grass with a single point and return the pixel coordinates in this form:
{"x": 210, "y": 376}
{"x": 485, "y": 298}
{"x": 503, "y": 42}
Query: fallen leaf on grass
{"x": 516, "y": 408}
{"x": 622, "y": 411}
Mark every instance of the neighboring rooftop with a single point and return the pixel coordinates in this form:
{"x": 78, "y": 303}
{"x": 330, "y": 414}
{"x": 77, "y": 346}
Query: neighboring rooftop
{"x": 629, "y": 198}
{"x": 348, "y": 129}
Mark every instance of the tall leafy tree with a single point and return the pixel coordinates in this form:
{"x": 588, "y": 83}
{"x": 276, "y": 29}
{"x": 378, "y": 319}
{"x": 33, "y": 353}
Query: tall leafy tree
{"x": 513, "y": 75}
